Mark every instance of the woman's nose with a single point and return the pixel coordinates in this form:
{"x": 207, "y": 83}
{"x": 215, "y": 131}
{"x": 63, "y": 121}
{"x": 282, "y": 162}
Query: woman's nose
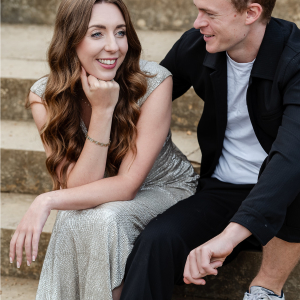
{"x": 111, "y": 44}
{"x": 201, "y": 21}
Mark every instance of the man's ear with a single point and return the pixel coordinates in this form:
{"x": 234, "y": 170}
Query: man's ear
{"x": 254, "y": 12}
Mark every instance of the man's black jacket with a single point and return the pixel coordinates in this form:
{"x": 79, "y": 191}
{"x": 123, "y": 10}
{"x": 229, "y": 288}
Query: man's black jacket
{"x": 273, "y": 100}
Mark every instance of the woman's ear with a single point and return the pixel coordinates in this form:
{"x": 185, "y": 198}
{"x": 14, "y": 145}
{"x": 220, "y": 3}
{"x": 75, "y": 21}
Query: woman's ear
{"x": 254, "y": 12}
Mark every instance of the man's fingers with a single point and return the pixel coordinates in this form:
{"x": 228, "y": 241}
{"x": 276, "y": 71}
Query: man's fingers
{"x": 28, "y": 246}
{"x": 186, "y": 281}
{"x": 186, "y": 272}
{"x": 204, "y": 262}
{"x": 216, "y": 264}
{"x": 195, "y": 273}
{"x": 187, "y": 277}
{"x": 199, "y": 281}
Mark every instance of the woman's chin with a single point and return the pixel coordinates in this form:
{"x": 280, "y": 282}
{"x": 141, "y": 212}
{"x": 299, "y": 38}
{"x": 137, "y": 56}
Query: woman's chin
{"x": 105, "y": 76}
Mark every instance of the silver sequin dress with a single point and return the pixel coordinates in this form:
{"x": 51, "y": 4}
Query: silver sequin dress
{"x": 87, "y": 253}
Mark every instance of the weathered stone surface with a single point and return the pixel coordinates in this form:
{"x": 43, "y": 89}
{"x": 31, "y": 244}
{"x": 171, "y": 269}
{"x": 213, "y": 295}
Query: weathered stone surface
{"x": 14, "y": 288}
{"x": 24, "y": 172}
{"x": 187, "y": 111}
{"x": 29, "y": 11}
{"x": 13, "y": 94}
{"x": 152, "y": 14}
{"x": 288, "y": 10}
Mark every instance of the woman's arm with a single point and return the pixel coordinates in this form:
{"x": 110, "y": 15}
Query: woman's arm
{"x": 90, "y": 166}
{"x": 153, "y": 127}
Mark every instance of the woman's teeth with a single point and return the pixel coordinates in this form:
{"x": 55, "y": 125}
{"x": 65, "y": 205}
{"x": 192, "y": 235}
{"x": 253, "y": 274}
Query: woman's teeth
{"x": 107, "y": 61}
{"x": 208, "y": 35}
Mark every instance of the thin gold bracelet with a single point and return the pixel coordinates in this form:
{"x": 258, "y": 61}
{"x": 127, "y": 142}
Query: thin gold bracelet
{"x": 96, "y": 142}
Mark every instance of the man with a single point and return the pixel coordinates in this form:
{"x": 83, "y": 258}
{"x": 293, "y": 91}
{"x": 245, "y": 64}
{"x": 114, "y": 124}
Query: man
{"x": 245, "y": 65}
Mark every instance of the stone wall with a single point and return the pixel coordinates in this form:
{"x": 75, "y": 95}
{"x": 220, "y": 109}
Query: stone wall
{"x": 151, "y": 14}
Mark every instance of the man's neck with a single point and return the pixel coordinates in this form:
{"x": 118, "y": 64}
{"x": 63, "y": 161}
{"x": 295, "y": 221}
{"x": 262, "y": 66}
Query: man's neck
{"x": 247, "y": 50}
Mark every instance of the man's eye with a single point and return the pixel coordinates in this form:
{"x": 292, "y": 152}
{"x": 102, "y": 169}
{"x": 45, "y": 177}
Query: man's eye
{"x": 96, "y": 35}
{"x": 121, "y": 33}
{"x": 210, "y": 15}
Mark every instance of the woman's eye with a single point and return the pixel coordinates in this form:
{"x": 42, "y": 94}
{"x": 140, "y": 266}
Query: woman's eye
{"x": 96, "y": 35}
{"x": 121, "y": 33}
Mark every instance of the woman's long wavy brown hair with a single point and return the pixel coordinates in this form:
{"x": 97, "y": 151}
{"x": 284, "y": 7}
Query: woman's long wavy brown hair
{"x": 62, "y": 132}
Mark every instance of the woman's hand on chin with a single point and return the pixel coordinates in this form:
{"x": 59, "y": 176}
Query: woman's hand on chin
{"x": 103, "y": 95}
{"x": 29, "y": 230}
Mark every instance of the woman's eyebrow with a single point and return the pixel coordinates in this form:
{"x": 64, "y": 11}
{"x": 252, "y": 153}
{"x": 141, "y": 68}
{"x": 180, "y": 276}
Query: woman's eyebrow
{"x": 103, "y": 27}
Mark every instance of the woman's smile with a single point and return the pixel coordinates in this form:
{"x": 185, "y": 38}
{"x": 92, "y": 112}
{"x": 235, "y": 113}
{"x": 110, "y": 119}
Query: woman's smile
{"x": 108, "y": 63}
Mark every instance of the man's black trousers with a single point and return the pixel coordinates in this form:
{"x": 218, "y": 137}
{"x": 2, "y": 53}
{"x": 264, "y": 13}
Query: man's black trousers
{"x": 158, "y": 258}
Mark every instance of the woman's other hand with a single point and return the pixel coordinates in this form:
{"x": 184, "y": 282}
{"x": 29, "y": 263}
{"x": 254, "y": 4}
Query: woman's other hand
{"x": 103, "y": 95}
{"x": 29, "y": 230}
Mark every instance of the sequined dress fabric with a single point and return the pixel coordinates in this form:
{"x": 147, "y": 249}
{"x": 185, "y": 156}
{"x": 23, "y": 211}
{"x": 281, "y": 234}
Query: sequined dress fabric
{"x": 88, "y": 249}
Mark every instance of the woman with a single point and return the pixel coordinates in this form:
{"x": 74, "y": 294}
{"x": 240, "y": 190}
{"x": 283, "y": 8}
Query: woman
{"x": 104, "y": 120}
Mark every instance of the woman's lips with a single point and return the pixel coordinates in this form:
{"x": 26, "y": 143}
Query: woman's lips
{"x": 105, "y": 66}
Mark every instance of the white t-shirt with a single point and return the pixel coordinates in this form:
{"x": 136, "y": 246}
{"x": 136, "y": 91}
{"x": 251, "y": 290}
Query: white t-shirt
{"x": 242, "y": 154}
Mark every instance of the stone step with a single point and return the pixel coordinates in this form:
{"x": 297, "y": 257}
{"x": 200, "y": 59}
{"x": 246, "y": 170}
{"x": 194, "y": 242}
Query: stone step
{"x": 14, "y": 288}
{"x": 23, "y": 158}
{"x": 153, "y": 15}
{"x": 24, "y": 61}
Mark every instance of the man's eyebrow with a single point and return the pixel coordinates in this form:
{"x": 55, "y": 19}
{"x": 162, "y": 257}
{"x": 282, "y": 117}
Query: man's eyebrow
{"x": 206, "y": 10}
{"x": 103, "y": 27}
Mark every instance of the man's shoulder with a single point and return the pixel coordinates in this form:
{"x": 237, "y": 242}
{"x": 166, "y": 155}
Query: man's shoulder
{"x": 291, "y": 34}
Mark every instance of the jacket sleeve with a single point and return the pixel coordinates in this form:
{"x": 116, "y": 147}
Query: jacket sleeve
{"x": 263, "y": 211}
{"x": 174, "y": 62}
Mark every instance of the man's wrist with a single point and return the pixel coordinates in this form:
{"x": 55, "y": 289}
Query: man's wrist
{"x": 236, "y": 233}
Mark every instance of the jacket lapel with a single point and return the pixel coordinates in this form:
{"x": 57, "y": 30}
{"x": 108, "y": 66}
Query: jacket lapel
{"x": 218, "y": 63}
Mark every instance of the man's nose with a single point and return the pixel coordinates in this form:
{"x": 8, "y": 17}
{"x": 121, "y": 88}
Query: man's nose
{"x": 201, "y": 21}
{"x": 111, "y": 44}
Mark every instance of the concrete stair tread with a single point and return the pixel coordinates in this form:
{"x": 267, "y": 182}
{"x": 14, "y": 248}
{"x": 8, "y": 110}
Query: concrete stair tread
{"x": 26, "y": 57}
{"x": 21, "y": 135}
{"x": 13, "y": 208}
{"x": 14, "y": 288}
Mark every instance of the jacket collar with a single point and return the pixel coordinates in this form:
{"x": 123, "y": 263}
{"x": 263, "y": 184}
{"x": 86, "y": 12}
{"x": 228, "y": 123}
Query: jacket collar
{"x": 268, "y": 55}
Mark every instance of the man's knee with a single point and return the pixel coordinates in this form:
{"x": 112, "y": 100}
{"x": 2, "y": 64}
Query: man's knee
{"x": 158, "y": 238}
